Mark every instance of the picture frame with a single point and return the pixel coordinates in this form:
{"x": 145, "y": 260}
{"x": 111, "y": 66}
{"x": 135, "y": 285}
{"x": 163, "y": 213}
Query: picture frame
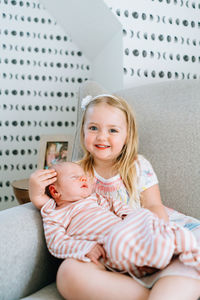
{"x": 54, "y": 148}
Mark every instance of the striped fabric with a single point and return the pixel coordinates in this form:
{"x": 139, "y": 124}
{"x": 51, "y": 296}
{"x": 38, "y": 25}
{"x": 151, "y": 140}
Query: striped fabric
{"x": 140, "y": 239}
{"x": 73, "y": 230}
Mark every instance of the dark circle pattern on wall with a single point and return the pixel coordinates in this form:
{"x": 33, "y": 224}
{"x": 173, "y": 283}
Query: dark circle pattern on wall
{"x": 181, "y": 3}
{"x": 158, "y": 19}
{"x": 142, "y": 73}
{"x": 176, "y": 40}
{"x": 164, "y": 55}
{"x": 164, "y": 37}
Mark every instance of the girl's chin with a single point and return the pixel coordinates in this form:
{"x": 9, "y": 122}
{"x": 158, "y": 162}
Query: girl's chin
{"x": 104, "y": 158}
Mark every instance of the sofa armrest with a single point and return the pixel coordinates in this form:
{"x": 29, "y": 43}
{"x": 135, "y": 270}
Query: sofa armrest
{"x": 25, "y": 263}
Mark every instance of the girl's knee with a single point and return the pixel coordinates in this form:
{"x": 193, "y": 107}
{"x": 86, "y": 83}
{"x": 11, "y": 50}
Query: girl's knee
{"x": 72, "y": 280}
{"x": 173, "y": 287}
{"x": 66, "y": 267}
{"x": 66, "y": 277}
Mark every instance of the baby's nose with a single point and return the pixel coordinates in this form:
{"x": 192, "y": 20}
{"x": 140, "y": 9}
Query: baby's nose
{"x": 83, "y": 178}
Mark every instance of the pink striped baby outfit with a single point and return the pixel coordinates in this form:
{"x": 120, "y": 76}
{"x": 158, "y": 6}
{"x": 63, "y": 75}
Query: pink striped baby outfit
{"x": 141, "y": 239}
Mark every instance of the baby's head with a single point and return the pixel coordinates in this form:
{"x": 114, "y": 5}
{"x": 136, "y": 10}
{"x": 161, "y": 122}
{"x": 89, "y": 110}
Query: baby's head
{"x": 71, "y": 185}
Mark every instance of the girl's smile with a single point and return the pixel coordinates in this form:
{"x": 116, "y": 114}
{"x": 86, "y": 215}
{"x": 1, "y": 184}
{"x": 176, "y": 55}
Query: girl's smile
{"x": 102, "y": 147}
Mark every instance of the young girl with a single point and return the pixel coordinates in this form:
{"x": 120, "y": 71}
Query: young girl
{"x": 109, "y": 140}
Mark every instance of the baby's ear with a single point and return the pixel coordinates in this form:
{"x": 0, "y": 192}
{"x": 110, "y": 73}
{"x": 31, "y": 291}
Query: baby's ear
{"x": 53, "y": 192}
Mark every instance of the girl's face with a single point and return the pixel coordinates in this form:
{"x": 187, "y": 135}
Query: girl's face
{"x": 105, "y": 132}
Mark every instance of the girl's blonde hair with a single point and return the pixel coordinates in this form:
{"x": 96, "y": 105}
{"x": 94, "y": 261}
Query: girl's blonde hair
{"x": 125, "y": 162}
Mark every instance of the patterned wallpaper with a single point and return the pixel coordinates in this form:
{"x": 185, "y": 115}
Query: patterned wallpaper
{"x": 161, "y": 39}
{"x": 41, "y": 70}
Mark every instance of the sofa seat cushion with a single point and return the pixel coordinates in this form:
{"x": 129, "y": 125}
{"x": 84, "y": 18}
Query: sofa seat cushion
{"x": 49, "y": 292}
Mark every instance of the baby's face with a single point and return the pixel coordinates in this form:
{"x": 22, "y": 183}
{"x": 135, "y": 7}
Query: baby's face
{"x": 72, "y": 182}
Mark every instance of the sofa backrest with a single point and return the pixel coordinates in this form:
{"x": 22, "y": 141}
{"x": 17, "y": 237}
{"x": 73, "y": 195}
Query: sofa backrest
{"x": 168, "y": 118}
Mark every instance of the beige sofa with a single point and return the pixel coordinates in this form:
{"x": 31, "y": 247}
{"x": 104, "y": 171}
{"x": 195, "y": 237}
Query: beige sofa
{"x": 168, "y": 117}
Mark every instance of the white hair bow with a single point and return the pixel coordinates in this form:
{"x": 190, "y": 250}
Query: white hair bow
{"x": 85, "y": 101}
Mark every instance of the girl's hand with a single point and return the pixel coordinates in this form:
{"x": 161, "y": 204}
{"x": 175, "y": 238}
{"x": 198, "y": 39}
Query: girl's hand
{"x": 38, "y": 181}
{"x": 95, "y": 253}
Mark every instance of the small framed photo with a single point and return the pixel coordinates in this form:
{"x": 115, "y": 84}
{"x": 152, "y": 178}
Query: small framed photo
{"x": 53, "y": 149}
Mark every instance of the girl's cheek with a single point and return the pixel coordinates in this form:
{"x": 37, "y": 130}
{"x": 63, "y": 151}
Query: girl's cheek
{"x": 86, "y": 140}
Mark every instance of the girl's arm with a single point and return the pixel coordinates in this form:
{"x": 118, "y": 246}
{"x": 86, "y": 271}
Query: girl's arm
{"x": 149, "y": 189}
{"x": 151, "y": 199}
{"x": 38, "y": 181}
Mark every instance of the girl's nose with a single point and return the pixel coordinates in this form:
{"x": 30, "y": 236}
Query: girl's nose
{"x": 101, "y": 135}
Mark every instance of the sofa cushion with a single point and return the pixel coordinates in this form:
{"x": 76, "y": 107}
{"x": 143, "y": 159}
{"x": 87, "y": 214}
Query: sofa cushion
{"x": 49, "y": 292}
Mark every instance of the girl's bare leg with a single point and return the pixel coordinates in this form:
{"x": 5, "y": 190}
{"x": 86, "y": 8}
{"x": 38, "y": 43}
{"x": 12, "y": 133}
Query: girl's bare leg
{"x": 175, "y": 288}
{"x": 87, "y": 281}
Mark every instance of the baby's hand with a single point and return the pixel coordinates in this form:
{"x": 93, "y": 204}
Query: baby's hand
{"x": 95, "y": 253}
{"x": 38, "y": 181}
{"x": 147, "y": 270}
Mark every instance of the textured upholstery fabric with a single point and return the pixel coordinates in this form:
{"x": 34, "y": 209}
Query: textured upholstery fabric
{"x": 168, "y": 117}
{"x": 49, "y": 292}
{"x": 25, "y": 264}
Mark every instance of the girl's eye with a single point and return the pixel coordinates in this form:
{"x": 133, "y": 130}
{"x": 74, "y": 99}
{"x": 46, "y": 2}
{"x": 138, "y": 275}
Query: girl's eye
{"x": 112, "y": 130}
{"x": 93, "y": 128}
